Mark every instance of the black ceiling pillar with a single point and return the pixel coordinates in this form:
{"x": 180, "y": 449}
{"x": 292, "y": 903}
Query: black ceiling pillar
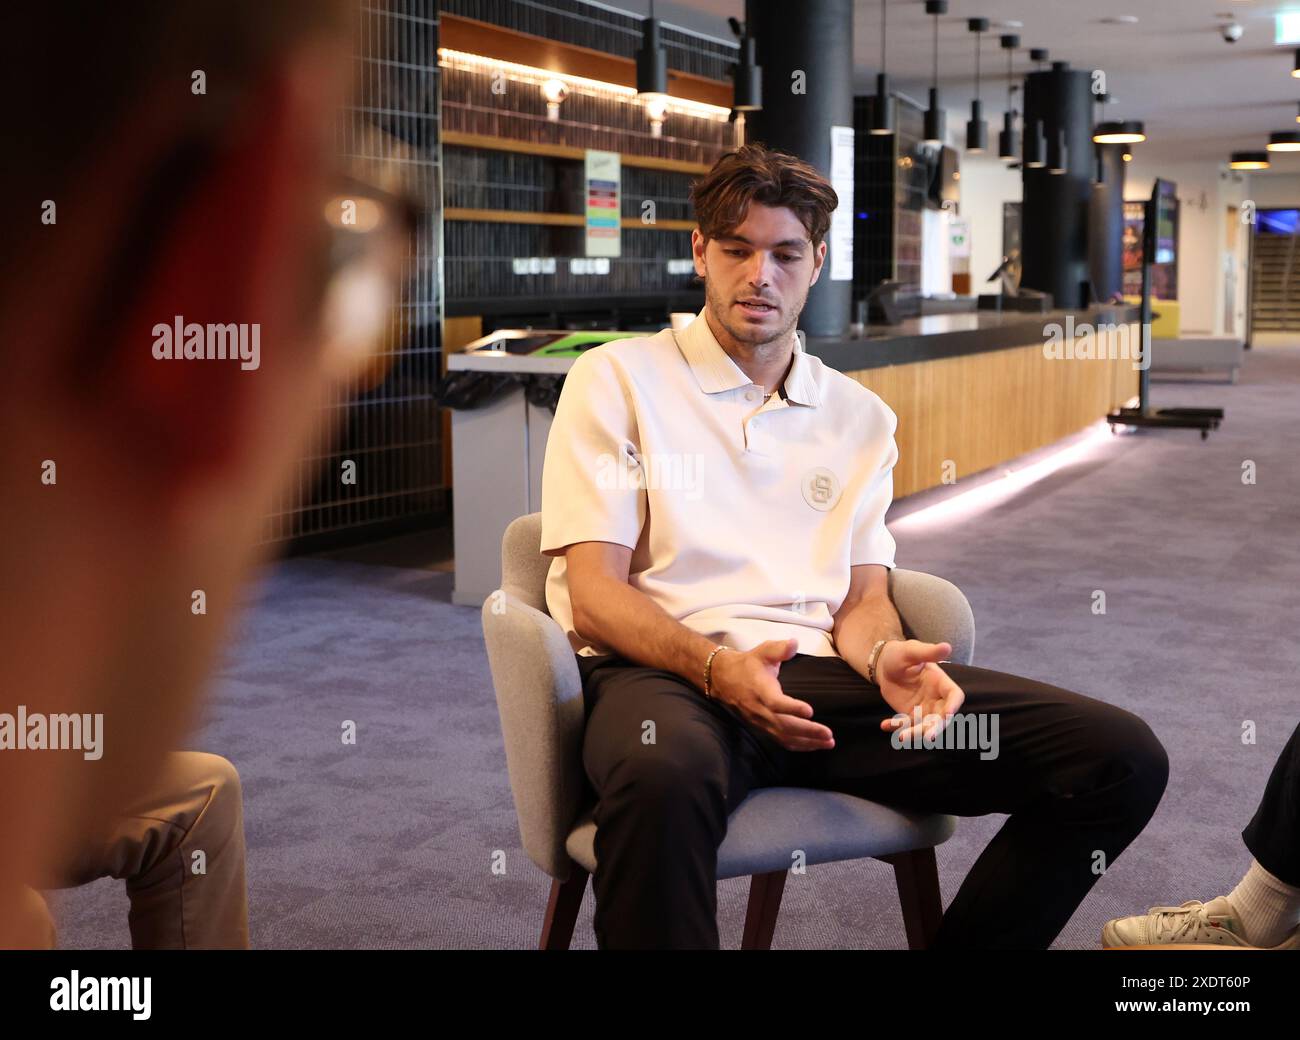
{"x": 814, "y": 37}
{"x": 1054, "y": 225}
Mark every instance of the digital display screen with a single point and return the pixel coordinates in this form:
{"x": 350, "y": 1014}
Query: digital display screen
{"x": 1165, "y": 198}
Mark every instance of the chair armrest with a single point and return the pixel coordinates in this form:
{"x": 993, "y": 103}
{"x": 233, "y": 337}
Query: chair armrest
{"x": 539, "y": 699}
{"x": 934, "y": 611}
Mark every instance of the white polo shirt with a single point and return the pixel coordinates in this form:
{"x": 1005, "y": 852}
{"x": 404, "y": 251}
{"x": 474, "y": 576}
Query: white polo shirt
{"x": 743, "y": 517}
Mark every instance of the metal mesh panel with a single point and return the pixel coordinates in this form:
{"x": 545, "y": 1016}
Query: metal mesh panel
{"x": 391, "y": 432}
{"x": 889, "y": 198}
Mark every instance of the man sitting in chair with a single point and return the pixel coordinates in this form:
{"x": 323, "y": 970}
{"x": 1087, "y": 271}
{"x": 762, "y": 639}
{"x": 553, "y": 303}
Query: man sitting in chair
{"x": 715, "y": 500}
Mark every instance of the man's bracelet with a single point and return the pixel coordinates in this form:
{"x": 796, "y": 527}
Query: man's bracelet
{"x": 708, "y": 668}
{"x": 874, "y": 658}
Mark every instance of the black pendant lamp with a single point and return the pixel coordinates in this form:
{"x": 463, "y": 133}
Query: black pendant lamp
{"x": 1284, "y": 141}
{"x": 1120, "y": 131}
{"x": 748, "y": 75}
{"x": 882, "y": 116}
{"x": 1008, "y": 139}
{"x": 1249, "y": 161}
{"x": 1058, "y": 153}
{"x": 651, "y": 60}
{"x": 934, "y": 121}
{"x": 1098, "y": 155}
{"x": 977, "y": 130}
{"x": 1295, "y": 71}
{"x": 1035, "y": 145}
{"x": 1036, "y": 133}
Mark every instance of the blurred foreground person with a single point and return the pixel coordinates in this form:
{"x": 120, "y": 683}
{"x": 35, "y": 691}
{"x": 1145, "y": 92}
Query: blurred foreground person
{"x": 179, "y": 294}
{"x": 180, "y": 850}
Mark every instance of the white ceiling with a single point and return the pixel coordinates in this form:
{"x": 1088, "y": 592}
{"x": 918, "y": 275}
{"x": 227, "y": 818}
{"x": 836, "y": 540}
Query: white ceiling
{"x": 1200, "y": 97}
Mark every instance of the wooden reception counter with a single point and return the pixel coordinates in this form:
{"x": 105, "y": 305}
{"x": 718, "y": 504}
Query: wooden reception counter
{"x": 981, "y": 388}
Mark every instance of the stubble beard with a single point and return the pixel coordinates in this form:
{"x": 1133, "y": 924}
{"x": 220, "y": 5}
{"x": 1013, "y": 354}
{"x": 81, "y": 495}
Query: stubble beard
{"x": 754, "y": 336}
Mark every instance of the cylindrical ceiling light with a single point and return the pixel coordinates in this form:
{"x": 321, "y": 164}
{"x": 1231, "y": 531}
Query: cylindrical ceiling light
{"x": 1249, "y": 161}
{"x": 1128, "y": 131}
{"x": 1295, "y": 69}
{"x": 1008, "y": 139}
{"x": 748, "y": 95}
{"x": 1035, "y": 133}
{"x": 977, "y": 130}
{"x": 1127, "y": 157}
{"x": 934, "y": 120}
{"x": 1284, "y": 141}
{"x": 882, "y": 117}
{"x": 1035, "y": 145}
{"x": 1297, "y": 115}
{"x": 1098, "y": 158}
{"x": 1058, "y": 156}
{"x": 651, "y": 60}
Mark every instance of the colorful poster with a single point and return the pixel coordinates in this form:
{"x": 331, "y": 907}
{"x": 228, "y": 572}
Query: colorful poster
{"x": 1131, "y": 245}
{"x": 603, "y": 173}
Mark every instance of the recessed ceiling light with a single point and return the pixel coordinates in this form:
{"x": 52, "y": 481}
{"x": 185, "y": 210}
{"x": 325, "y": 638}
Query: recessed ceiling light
{"x": 1120, "y": 19}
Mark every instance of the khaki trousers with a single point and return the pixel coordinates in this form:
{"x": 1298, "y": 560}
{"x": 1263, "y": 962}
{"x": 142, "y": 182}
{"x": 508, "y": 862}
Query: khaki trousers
{"x": 180, "y": 850}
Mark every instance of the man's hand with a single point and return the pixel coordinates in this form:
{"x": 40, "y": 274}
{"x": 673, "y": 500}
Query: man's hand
{"x": 747, "y": 681}
{"x": 910, "y": 678}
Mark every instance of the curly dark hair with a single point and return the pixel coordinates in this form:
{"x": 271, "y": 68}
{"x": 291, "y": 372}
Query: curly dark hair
{"x": 756, "y": 173}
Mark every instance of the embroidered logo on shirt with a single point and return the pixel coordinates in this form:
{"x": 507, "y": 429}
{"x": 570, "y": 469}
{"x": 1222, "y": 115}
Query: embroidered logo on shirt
{"x": 821, "y": 488}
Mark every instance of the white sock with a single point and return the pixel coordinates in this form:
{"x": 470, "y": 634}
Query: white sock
{"x": 1268, "y": 908}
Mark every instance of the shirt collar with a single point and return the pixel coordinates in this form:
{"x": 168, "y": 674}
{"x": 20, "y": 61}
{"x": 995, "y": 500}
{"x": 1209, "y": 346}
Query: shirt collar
{"x": 715, "y": 371}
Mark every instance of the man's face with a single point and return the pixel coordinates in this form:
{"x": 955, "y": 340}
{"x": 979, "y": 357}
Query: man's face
{"x": 768, "y": 257}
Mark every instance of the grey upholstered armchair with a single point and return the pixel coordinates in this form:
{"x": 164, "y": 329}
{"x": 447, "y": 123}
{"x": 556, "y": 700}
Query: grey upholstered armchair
{"x": 539, "y": 696}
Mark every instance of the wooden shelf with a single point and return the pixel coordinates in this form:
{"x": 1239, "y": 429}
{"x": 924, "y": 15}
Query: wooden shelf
{"x": 511, "y": 216}
{"x": 688, "y": 299}
{"x": 564, "y": 151}
{"x": 658, "y": 225}
{"x": 459, "y": 33}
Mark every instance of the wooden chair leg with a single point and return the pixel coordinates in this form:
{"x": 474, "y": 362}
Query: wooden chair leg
{"x": 917, "y": 875}
{"x": 764, "y": 905}
{"x": 562, "y": 910}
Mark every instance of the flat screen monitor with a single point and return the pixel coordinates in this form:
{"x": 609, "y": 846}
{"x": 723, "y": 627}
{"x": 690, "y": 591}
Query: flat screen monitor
{"x": 1162, "y": 230}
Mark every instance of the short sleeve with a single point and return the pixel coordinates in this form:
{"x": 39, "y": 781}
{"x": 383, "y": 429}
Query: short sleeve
{"x": 872, "y": 542}
{"x": 591, "y": 491}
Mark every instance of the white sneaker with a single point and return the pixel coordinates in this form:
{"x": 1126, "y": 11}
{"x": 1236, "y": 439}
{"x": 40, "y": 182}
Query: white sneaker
{"x": 1192, "y": 926}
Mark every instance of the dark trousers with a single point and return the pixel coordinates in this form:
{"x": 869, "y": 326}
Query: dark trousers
{"x": 1079, "y": 779}
{"x": 1273, "y": 834}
